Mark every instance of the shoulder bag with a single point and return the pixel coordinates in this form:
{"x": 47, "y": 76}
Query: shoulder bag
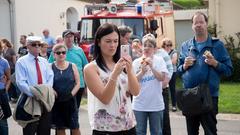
{"x": 195, "y": 101}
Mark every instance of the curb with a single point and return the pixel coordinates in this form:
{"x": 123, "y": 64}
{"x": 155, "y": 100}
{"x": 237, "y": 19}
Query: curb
{"x": 220, "y": 116}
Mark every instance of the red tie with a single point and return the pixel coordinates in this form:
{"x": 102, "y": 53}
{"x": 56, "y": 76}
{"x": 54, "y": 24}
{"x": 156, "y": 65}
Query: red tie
{"x": 39, "y": 75}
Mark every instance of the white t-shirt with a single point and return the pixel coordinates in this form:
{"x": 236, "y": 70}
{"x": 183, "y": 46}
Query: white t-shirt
{"x": 150, "y": 97}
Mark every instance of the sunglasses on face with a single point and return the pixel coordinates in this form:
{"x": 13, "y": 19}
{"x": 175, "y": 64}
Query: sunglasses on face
{"x": 36, "y": 45}
{"x": 167, "y": 45}
{"x": 59, "y": 53}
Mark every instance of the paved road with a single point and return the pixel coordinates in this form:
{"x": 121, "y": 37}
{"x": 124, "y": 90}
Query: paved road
{"x": 227, "y": 124}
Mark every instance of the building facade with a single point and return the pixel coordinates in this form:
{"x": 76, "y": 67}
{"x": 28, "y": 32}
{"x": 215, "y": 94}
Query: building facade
{"x": 32, "y": 16}
{"x": 225, "y": 15}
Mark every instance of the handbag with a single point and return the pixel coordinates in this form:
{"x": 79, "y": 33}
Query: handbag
{"x": 195, "y": 101}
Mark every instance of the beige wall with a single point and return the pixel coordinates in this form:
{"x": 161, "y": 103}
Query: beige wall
{"x": 36, "y": 15}
{"x": 5, "y": 31}
{"x": 225, "y": 13}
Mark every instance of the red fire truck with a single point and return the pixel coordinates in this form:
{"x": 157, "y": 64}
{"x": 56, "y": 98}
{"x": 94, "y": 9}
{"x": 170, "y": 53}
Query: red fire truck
{"x": 143, "y": 18}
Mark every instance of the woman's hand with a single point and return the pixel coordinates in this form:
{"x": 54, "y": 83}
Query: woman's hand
{"x": 128, "y": 63}
{"x": 119, "y": 66}
{"x": 149, "y": 61}
{"x": 143, "y": 69}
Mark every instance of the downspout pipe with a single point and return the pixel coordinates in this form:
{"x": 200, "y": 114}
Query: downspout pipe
{"x": 219, "y": 27}
{"x": 11, "y": 21}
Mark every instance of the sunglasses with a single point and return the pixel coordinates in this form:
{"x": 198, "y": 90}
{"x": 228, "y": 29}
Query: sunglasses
{"x": 36, "y": 45}
{"x": 59, "y": 53}
{"x": 168, "y": 45}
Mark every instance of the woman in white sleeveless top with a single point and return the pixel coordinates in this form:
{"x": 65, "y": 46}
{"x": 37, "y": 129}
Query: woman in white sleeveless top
{"x": 110, "y": 81}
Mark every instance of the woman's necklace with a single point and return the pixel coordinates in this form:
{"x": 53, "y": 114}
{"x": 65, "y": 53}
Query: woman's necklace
{"x": 61, "y": 66}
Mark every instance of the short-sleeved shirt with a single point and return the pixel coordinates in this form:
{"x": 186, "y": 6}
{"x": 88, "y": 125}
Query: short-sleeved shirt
{"x": 3, "y": 67}
{"x": 150, "y": 97}
{"x": 50, "y": 41}
{"x": 22, "y": 51}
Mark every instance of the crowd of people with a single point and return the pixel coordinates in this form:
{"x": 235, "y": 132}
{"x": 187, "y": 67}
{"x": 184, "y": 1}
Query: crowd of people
{"x": 124, "y": 92}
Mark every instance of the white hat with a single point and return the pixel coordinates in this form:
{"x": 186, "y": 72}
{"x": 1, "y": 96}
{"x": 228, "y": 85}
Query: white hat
{"x": 31, "y": 39}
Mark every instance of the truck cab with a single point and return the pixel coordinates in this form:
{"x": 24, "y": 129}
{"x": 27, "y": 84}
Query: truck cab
{"x": 143, "y": 18}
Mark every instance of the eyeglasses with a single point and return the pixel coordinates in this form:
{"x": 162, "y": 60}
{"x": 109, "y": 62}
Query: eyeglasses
{"x": 36, "y": 45}
{"x": 59, "y": 53}
{"x": 168, "y": 45}
{"x": 148, "y": 45}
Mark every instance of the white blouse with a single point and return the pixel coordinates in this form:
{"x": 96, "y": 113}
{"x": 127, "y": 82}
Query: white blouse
{"x": 118, "y": 114}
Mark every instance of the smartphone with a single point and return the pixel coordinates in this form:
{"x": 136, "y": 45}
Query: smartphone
{"x": 125, "y": 50}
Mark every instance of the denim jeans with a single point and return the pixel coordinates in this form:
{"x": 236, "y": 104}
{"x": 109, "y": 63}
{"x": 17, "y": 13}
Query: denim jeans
{"x": 3, "y": 127}
{"x": 155, "y": 122}
{"x": 207, "y": 120}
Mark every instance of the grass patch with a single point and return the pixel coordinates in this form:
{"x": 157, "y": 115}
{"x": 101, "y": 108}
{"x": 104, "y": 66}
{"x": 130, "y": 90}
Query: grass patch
{"x": 228, "y": 97}
{"x": 188, "y": 4}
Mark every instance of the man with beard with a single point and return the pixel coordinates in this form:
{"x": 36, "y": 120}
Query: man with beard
{"x": 196, "y": 67}
{"x": 23, "y": 49}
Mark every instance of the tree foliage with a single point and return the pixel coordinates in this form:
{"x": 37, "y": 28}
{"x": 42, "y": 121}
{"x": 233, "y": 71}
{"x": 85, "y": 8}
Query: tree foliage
{"x": 234, "y": 52}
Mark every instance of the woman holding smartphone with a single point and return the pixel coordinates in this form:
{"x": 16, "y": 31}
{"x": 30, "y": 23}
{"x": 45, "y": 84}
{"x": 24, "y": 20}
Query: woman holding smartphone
{"x": 109, "y": 79}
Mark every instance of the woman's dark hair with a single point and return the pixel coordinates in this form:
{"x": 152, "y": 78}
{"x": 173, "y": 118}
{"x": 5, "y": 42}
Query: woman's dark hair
{"x": 102, "y": 31}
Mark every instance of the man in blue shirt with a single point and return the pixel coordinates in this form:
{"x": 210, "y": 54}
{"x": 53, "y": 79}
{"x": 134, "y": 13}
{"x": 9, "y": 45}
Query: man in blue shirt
{"x": 49, "y": 40}
{"x": 196, "y": 66}
{"x": 28, "y": 74}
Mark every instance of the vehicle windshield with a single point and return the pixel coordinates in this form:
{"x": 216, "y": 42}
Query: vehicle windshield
{"x": 89, "y": 27}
